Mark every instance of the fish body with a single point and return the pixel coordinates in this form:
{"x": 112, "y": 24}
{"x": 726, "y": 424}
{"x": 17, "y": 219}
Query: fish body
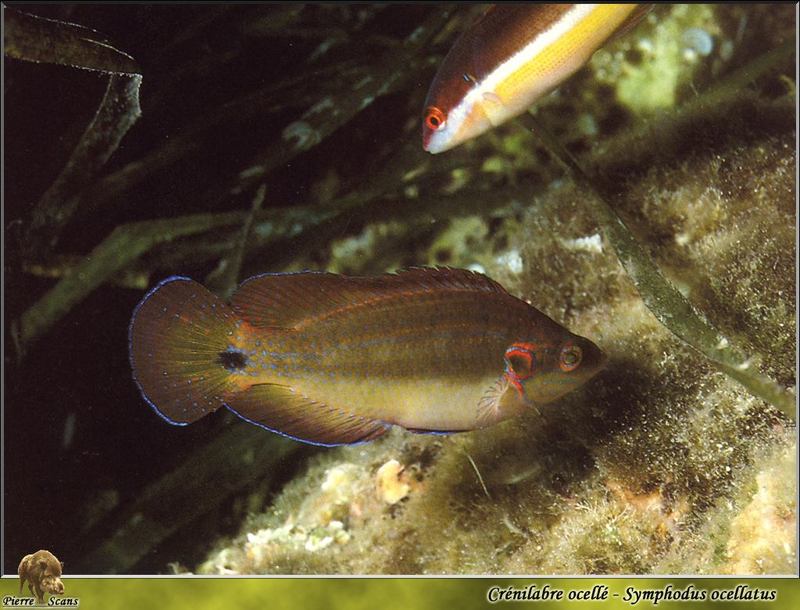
{"x": 330, "y": 359}
{"x": 510, "y": 57}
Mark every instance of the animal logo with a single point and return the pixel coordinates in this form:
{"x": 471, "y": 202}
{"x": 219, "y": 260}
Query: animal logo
{"x": 42, "y": 571}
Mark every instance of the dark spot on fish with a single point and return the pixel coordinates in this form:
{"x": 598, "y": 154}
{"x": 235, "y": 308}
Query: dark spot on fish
{"x": 233, "y": 360}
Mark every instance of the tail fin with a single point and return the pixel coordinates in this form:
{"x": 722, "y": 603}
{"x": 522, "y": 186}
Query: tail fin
{"x": 178, "y": 334}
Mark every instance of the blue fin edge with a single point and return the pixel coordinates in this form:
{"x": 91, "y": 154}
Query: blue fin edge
{"x": 151, "y": 292}
{"x": 294, "y": 438}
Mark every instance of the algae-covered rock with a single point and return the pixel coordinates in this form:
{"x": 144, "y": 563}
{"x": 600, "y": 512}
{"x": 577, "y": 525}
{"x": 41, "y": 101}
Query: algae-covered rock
{"x": 763, "y": 533}
{"x": 754, "y": 531}
{"x": 647, "y": 70}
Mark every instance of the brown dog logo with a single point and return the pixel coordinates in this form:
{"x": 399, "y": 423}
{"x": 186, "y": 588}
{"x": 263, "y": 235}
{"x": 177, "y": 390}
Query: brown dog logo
{"x": 42, "y": 571}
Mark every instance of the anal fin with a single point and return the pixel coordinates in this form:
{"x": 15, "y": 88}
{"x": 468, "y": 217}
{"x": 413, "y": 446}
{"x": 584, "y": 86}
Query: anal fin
{"x": 281, "y": 409}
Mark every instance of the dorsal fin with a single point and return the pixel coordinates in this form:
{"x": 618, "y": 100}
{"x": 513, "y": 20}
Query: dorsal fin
{"x": 631, "y": 21}
{"x": 285, "y": 299}
{"x": 281, "y": 409}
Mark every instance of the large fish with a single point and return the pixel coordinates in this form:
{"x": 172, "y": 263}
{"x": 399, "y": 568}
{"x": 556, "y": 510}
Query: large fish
{"x": 330, "y": 360}
{"x": 510, "y": 57}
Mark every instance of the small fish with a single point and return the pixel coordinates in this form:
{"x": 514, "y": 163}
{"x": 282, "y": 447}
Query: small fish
{"x": 510, "y": 57}
{"x": 330, "y": 360}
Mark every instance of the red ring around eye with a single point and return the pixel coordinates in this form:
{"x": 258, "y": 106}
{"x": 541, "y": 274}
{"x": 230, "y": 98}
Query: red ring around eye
{"x": 434, "y": 118}
{"x": 570, "y": 358}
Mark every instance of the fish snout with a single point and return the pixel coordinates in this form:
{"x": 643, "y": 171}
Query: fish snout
{"x": 594, "y": 359}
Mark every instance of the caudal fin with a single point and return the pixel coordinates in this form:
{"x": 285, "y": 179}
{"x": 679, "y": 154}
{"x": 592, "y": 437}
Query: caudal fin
{"x": 179, "y": 337}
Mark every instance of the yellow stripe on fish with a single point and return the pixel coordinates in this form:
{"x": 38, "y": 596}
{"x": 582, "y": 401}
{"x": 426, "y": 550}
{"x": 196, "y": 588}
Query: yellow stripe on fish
{"x": 329, "y": 359}
{"x": 513, "y": 55}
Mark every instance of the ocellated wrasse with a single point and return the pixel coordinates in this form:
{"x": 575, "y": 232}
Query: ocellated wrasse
{"x": 330, "y": 359}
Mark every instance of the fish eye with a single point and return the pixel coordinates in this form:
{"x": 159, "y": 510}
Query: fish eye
{"x": 570, "y": 358}
{"x": 434, "y": 118}
{"x": 520, "y": 361}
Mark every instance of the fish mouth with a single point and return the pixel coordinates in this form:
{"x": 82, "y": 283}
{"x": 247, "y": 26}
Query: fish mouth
{"x": 432, "y": 144}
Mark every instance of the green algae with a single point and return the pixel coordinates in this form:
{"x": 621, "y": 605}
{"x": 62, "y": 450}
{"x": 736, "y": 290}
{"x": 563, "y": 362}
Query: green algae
{"x": 648, "y": 70}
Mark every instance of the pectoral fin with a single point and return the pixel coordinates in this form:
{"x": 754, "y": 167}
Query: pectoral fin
{"x": 501, "y": 401}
